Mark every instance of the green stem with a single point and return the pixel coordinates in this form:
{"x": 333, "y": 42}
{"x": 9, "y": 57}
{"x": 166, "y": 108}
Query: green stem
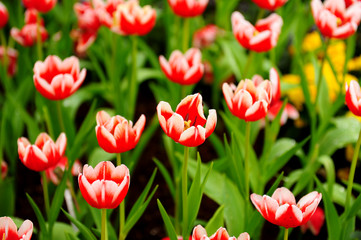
{"x": 133, "y": 79}
{"x": 46, "y": 193}
{"x": 60, "y": 115}
{"x": 246, "y": 158}
{"x": 5, "y": 62}
{"x": 121, "y": 206}
{"x": 38, "y": 38}
{"x": 48, "y": 121}
{"x": 286, "y": 234}
{"x": 352, "y": 172}
{"x": 185, "y": 34}
{"x": 183, "y": 91}
{"x": 319, "y": 78}
{"x": 104, "y": 233}
{"x": 184, "y": 193}
{"x": 248, "y": 64}
{"x": 177, "y": 204}
{"x": 260, "y": 14}
{"x": 113, "y": 74}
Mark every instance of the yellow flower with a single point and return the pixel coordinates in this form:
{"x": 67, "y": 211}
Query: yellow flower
{"x": 354, "y": 64}
{"x": 311, "y": 42}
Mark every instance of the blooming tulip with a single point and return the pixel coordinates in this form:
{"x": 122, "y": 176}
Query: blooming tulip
{"x": 43, "y": 154}
{"x": 199, "y": 233}
{"x": 8, "y": 229}
{"x": 27, "y": 36}
{"x": 40, "y": 5}
{"x": 131, "y": 19}
{"x": 335, "y": 20}
{"x": 206, "y": 36}
{"x": 11, "y": 59}
{"x": 271, "y": 5}
{"x": 105, "y": 186}
{"x": 281, "y": 209}
{"x": 246, "y": 101}
{"x": 260, "y": 38}
{"x": 185, "y": 125}
{"x": 4, "y": 15}
{"x": 116, "y": 134}
{"x": 315, "y": 223}
{"x": 87, "y": 18}
{"x": 106, "y": 10}
{"x": 184, "y": 69}
{"x": 56, "y": 79}
{"x": 4, "y": 169}
{"x": 350, "y": 2}
{"x": 188, "y": 8}
{"x": 353, "y": 96}
{"x": 83, "y": 40}
{"x": 55, "y": 173}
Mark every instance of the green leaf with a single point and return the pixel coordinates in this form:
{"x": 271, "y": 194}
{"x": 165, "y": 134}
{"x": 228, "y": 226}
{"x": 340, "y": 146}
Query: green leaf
{"x": 70, "y": 236}
{"x": 327, "y": 162}
{"x": 332, "y": 218}
{"x": 216, "y": 221}
{"x": 82, "y": 228}
{"x": 98, "y": 155}
{"x": 39, "y": 216}
{"x": 62, "y": 230}
{"x": 7, "y": 197}
{"x": 57, "y": 201}
{"x": 168, "y": 224}
{"x": 168, "y": 179}
{"x": 356, "y": 206}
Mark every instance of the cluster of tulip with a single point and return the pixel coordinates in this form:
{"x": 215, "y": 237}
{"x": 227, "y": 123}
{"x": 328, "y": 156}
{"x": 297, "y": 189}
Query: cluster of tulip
{"x": 105, "y": 185}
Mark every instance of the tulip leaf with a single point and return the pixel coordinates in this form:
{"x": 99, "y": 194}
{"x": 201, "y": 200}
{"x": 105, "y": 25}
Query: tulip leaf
{"x": 234, "y": 60}
{"x": 356, "y": 206}
{"x": 57, "y": 201}
{"x": 70, "y": 236}
{"x": 61, "y": 230}
{"x": 332, "y": 218}
{"x": 327, "y": 162}
{"x": 216, "y": 221}
{"x": 82, "y": 228}
{"x": 168, "y": 179}
{"x": 7, "y": 197}
{"x": 168, "y": 224}
{"x": 39, "y": 216}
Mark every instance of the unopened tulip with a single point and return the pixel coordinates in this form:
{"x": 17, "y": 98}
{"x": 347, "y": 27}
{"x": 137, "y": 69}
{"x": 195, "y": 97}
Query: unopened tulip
{"x": 335, "y": 20}
{"x": 271, "y": 5}
{"x": 281, "y": 209}
{"x": 55, "y": 173}
{"x": 11, "y": 59}
{"x": 106, "y": 10}
{"x": 132, "y": 19}
{"x": 116, "y": 134}
{"x": 27, "y": 36}
{"x": 40, "y": 5}
{"x": 353, "y": 97}
{"x": 4, "y": 15}
{"x": 105, "y": 186}
{"x": 315, "y": 223}
{"x": 199, "y": 233}
{"x": 260, "y": 38}
{"x": 246, "y": 101}
{"x": 186, "y": 124}
{"x": 8, "y": 229}
{"x": 56, "y": 79}
{"x": 188, "y": 8}
{"x": 88, "y": 19}
{"x": 184, "y": 69}
{"x": 43, "y": 154}
{"x": 4, "y": 169}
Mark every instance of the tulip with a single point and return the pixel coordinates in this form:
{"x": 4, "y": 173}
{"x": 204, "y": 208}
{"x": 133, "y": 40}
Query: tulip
{"x": 188, "y": 8}
{"x": 178, "y": 238}
{"x": 184, "y": 69}
{"x": 27, "y": 36}
{"x": 83, "y": 40}
{"x": 106, "y": 10}
{"x": 281, "y": 209}
{"x": 271, "y": 5}
{"x": 56, "y": 79}
{"x": 8, "y": 229}
{"x": 260, "y": 38}
{"x": 88, "y": 19}
{"x": 185, "y": 125}
{"x": 350, "y": 2}
{"x": 131, "y": 19}
{"x": 4, "y": 169}
{"x": 206, "y": 36}
{"x": 246, "y": 101}
{"x": 116, "y": 134}
{"x": 353, "y": 96}
{"x": 55, "y": 173}
{"x": 11, "y": 59}
{"x": 199, "y": 233}
{"x": 4, "y": 15}
{"x": 105, "y": 186}
{"x": 315, "y": 223}
{"x": 335, "y": 20}
{"x": 43, "y": 154}
{"x": 40, "y": 5}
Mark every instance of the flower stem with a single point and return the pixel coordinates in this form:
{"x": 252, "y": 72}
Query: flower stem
{"x": 46, "y": 193}
{"x": 286, "y": 234}
{"x": 248, "y": 64}
{"x": 185, "y": 34}
{"x": 113, "y": 74}
{"x": 38, "y": 37}
{"x": 104, "y": 233}
{"x": 319, "y": 78}
{"x": 246, "y": 160}
{"x": 121, "y": 206}
{"x": 48, "y": 121}
{"x": 184, "y": 193}
{"x": 352, "y": 172}
{"x": 133, "y": 79}
{"x": 60, "y": 116}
